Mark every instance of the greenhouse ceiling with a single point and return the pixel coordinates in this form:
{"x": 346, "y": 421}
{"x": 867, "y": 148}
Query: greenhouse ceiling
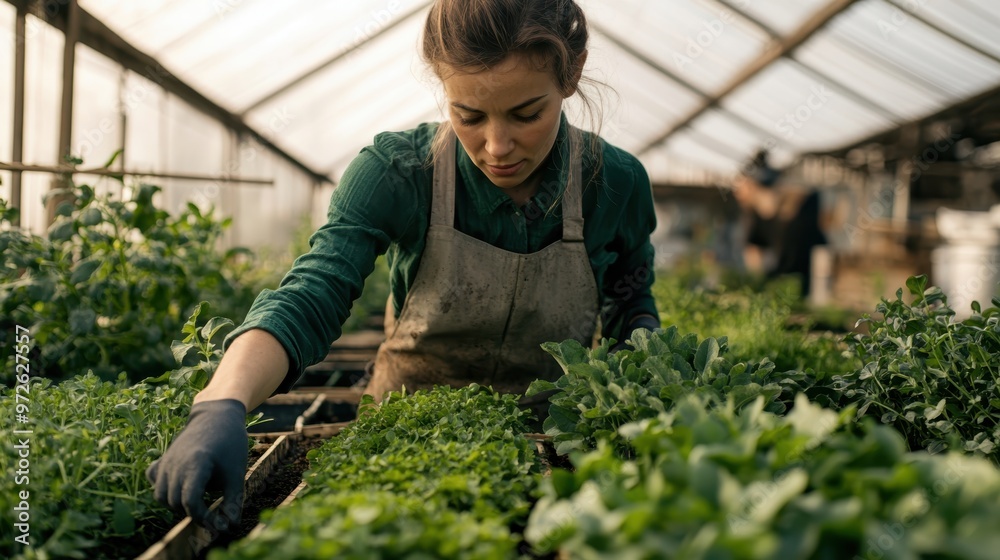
{"x": 696, "y": 86}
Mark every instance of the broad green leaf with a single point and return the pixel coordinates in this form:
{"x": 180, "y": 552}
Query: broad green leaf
{"x": 916, "y": 284}
{"x": 813, "y": 421}
{"x": 91, "y": 217}
{"x": 566, "y": 353}
{"x": 190, "y": 327}
{"x": 213, "y": 326}
{"x": 769, "y": 497}
{"x": 83, "y": 270}
{"x": 540, "y": 386}
{"x": 61, "y": 230}
{"x": 180, "y": 350}
{"x": 561, "y": 420}
{"x": 707, "y": 351}
{"x": 931, "y": 413}
{"x": 563, "y": 482}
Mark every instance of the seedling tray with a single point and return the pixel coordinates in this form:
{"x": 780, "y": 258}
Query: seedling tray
{"x": 271, "y": 478}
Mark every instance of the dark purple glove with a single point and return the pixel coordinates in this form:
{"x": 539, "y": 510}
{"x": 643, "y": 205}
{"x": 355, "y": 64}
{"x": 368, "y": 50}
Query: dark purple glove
{"x": 210, "y": 453}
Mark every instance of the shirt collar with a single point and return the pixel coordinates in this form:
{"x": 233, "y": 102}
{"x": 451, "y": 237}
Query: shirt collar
{"x": 487, "y": 197}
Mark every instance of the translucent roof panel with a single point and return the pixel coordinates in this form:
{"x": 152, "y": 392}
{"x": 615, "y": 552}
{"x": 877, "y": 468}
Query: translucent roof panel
{"x": 97, "y": 131}
{"x": 784, "y": 16}
{"x": 638, "y": 100}
{"x": 328, "y": 118}
{"x": 237, "y": 52}
{"x": 909, "y": 94}
{"x": 976, "y": 21}
{"x": 281, "y": 65}
{"x": 801, "y": 111}
{"x": 701, "y": 42}
{"x": 734, "y": 139}
{"x": 915, "y": 47}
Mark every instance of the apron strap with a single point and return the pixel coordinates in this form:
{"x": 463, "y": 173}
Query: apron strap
{"x": 573, "y": 199}
{"x": 443, "y": 191}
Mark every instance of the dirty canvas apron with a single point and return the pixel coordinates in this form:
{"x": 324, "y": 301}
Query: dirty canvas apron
{"x": 477, "y": 313}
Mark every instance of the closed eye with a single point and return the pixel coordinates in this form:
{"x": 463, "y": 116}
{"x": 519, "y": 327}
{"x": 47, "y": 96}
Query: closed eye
{"x": 471, "y": 121}
{"x": 529, "y": 118}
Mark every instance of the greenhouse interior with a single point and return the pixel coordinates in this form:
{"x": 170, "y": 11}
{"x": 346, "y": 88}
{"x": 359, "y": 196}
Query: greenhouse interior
{"x": 249, "y": 256}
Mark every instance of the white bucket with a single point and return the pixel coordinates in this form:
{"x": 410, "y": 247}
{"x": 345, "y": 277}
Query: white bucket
{"x": 960, "y": 227}
{"x": 966, "y": 273}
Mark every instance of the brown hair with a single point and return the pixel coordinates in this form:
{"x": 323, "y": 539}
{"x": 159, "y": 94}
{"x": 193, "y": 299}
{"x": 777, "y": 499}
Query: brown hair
{"x": 475, "y": 35}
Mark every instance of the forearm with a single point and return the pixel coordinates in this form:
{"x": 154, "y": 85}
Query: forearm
{"x": 252, "y": 368}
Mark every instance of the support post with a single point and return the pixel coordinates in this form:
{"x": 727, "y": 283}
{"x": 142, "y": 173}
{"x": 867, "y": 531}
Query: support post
{"x": 17, "y": 144}
{"x": 72, "y": 35}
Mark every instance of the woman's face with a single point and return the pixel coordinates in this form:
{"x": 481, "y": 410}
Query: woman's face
{"x": 506, "y": 118}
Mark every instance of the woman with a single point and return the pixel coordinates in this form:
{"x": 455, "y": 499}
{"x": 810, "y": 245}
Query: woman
{"x": 783, "y": 226}
{"x": 504, "y": 226}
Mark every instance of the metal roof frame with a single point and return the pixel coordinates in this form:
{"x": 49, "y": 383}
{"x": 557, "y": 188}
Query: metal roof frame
{"x": 331, "y": 61}
{"x": 98, "y": 36}
{"x": 672, "y": 76}
{"x": 775, "y": 52}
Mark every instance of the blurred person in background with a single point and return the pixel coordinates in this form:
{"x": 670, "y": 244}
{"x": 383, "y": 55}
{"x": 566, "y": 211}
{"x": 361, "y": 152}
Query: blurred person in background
{"x": 504, "y": 227}
{"x": 782, "y": 223}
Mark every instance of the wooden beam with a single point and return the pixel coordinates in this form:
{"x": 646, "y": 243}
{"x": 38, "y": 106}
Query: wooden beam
{"x": 777, "y": 50}
{"x": 17, "y": 143}
{"x": 57, "y": 187}
{"x": 667, "y": 73}
{"x": 103, "y": 172}
{"x": 72, "y": 35}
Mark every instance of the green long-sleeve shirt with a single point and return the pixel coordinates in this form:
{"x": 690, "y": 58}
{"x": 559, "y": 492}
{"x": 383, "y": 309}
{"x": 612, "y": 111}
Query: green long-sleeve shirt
{"x": 382, "y": 205}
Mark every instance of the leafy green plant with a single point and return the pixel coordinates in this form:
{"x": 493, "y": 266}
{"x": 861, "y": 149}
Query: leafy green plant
{"x": 710, "y": 480}
{"x": 756, "y": 319}
{"x": 933, "y": 378}
{"x": 438, "y": 473}
{"x": 463, "y": 447}
{"x": 370, "y": 525}
{"x": 198, "y": 340}
{"x": 599, "y": 392}
{"x": 90, "y": 444}
{"x": 111, "y": 281}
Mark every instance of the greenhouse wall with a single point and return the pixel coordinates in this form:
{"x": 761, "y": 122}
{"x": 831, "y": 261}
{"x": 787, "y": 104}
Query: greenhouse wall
{"x": 162, "y": 134}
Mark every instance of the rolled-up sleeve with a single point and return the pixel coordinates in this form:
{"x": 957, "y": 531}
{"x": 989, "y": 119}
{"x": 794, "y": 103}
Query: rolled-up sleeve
{"x": 370, "y": 207}
{"x": 629, "y": 279}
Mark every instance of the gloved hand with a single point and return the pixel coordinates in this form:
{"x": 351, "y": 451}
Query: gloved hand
{"x": 640, "y": 322}
{"x": 209, "y": 453}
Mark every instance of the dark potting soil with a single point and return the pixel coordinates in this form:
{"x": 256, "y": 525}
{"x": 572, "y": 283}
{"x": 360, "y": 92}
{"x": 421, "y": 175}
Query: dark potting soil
{"x": 279, "y": 485}
{"x": 127, "y": 548}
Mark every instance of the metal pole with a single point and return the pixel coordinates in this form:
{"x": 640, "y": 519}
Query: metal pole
{"x": 17, "y": 150}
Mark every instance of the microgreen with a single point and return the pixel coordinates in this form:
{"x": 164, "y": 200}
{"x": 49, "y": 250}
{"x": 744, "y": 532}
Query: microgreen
{"x": 934, "y": 378}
